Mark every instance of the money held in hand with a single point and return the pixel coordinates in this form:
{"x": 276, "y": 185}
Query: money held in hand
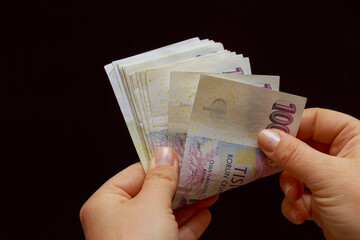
{"x": 202, "y": 101}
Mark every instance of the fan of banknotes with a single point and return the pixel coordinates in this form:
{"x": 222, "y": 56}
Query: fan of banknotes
{"x": 202, "y": 101}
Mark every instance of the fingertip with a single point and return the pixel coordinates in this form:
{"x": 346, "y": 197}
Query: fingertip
{"x": 293, "y": 211}
{"x": 208, "y": 215}
{"x": 165, "y": 156}
{"x": 212, "y": 200}
{"x": 301, "y": 217}
{"x": 161, "y": 178}
{"x": 294, "y": 193}
{"x": 207, "y": 202}
{"x": 185, "y": 213}
{"x": 292, "y": 188}
{"x": 216, "y": 197}
{"x": 196, "y": 225}
{"x": 268, "y": 140}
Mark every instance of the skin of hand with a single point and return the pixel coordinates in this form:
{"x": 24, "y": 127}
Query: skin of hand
{"x": 326, "y": 160}
{"x": 134, "y": 205}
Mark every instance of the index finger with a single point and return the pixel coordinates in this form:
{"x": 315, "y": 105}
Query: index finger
{"x": 327, "y": 126}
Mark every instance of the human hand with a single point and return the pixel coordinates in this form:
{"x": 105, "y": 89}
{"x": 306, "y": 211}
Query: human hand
{"x": 135, "y": 205}
{"x": 327, "y": 163}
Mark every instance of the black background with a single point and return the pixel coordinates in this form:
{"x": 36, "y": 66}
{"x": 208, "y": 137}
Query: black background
{"x": 62, "y": 130}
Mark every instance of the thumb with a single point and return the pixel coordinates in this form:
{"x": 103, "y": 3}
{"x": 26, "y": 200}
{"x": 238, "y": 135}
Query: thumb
{"x": 296, "y": 157}
{"x": 161, "y": 178}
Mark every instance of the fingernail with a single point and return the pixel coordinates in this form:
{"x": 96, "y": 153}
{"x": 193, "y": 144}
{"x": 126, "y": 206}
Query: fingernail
{"x": 287, "y": 188}
{"x": 269, "y": 139}
{"x": 164, "y": 157}
{"x": 293, "y": 215}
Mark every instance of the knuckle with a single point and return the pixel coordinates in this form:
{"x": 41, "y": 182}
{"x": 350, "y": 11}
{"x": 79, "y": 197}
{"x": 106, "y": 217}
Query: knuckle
{"x": 161, "y": 175}
{"x": 291, "y": 154}
{"x": 88, "y": 209}
{"x": 286, "y": 208}
{"x": 84, "y": 211}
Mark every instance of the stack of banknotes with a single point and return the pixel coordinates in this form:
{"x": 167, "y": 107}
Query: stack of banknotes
{"x": 202, "y": 101}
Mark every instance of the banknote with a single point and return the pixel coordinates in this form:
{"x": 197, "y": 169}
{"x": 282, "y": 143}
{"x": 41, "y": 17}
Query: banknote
{"x": 155, "y": 83}
{"x": 118, "y": 74}
{"x": 221, "y": 151}
{"x": 158, "y": 84}
{"x": 201, "y": 99}
{"x": 183, "y": 87}
{"x": 138, "y": 92}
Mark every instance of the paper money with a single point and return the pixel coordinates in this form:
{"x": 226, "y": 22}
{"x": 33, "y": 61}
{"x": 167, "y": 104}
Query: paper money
{"x": 142, "y": 94}
{"x": 132, "y": 108}
{"x": 183, "y": 89}
{"x": 159, "y": 86}
{"x": 221, "y": 151}
{"x": 202, "y": 100}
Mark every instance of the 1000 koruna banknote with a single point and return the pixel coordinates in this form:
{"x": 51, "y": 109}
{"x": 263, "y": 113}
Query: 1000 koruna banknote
{"x": 221, "y": 151}
{"x": 184, "y": 85}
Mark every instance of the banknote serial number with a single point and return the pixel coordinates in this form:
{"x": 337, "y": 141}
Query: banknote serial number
{"x": 281, "y": 117}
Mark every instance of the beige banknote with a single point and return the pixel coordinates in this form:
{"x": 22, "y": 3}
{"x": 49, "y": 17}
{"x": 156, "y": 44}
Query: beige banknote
{"x": 221, "y": 151}
{"x": 183, "y": 87}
